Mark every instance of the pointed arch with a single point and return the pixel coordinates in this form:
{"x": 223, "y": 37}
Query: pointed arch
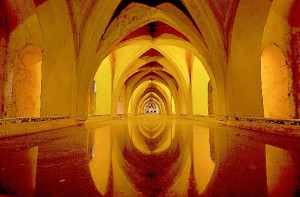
{"x": 144, "y": 14}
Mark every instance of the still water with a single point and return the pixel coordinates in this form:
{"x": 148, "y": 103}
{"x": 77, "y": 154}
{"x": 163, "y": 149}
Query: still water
{"x": 150, "y": 156}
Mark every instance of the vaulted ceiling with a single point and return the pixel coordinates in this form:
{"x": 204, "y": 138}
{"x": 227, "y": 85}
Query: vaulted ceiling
{"x": 158, "y": 26}
{"x": 152, "y": 45}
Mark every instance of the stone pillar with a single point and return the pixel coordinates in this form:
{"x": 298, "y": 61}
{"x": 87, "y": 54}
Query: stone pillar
{"x": 210, "y": 98}
{"x": 295, "y": 59}
{"x": 3, "y": 54}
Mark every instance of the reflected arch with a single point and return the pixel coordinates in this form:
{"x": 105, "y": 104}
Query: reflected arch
{"x": 275, "y": 83}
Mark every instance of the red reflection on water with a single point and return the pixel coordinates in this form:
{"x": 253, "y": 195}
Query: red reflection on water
{"x": 165, "y": 158}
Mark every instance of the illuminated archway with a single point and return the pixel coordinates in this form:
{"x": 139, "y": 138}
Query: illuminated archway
{"x": 275, "y": 83}
{"x": 103, "y": 88}
{"x": 154, "y": 90}
{"x": 151, "y": 107}
{"x": 156, "y": 98}
{"x": 279, "y": 20}
{"x": 199, "y": 82}
{"x": 171, "y": 72}
{"x": 111, "y": 39}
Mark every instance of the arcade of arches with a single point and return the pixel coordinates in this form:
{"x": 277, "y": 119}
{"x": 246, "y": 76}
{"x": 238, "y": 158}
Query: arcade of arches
{"x": 66, "y": 62}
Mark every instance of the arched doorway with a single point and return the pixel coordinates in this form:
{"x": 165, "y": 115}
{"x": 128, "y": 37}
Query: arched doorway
{"x": 151, "y": 107}
{"x": 275, "y": 83}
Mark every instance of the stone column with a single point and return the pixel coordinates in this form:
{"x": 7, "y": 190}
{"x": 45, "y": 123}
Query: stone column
{"x": 295, "y": 59}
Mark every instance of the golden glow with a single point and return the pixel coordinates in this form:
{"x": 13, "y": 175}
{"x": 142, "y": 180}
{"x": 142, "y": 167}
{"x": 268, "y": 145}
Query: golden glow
{"x": 73, "y": 63}
{"x": 125, "y": 58}
{"x": 140, "y": 90}
{"x": 177, "y": 57}
{"x": 173, "y": 106}
{"x": 274, "y": 76}
{"x": 27, "y": 82}
{"x": 151, "y": 107}
{"x": 182, "y": 33}
{"x": 200, "y": 80}
{"x": 130, "y": 96}
{"x": 281, "y": 173}
{"x": 100, "y": 165}
{"x": 149, "y": 129}
{"x": 203, "y": 164}
{"x": 180, "y": 186}
{"x": 103, "y": 80}
{"x": 151, "y": 137}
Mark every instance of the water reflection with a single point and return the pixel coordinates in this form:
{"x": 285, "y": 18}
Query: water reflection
{"x": 150, "y": 157}
{"x": 100, "y": 165}
{"x": 281, "y": 171}
{"x": 18, "y": 172}
{"x": 203, "y": 157}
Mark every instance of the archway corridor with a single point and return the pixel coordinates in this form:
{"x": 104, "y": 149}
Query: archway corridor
{"x": 76, "y": 64}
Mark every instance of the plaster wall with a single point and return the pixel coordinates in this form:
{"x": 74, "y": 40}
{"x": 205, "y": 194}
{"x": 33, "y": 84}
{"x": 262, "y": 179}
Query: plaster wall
{"x": 199, "y": 88}
{"x": 27, "y": 82}
{"x": 22, "y": 29}
{"x": 59, "y": 82}
{"x": 275, "y": 87}
{"x": 103, "y": 79}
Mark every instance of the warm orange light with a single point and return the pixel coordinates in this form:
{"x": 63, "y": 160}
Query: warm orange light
{"x": 275, "y": 83}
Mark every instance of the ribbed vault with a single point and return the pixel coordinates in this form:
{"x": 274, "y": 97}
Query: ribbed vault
{"x": 156, "y": 41}
{"x": 191, "y": 57}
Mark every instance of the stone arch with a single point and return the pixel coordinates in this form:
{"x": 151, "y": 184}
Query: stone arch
{"x": 140, "y": 92}
{"x": 275, "y": 83}
{"x": 186, "y": 46}
{"x": 171, "y": 65}
{"x": 108, "y": 43}
{"x": 244, "y": 71}
{"x": 150, "y": 101}
{"x": 157, "y": 97}
{"x": 59, "y": 82}
{"x": 140, "y": 78}
{"x": 278, "y": 20}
